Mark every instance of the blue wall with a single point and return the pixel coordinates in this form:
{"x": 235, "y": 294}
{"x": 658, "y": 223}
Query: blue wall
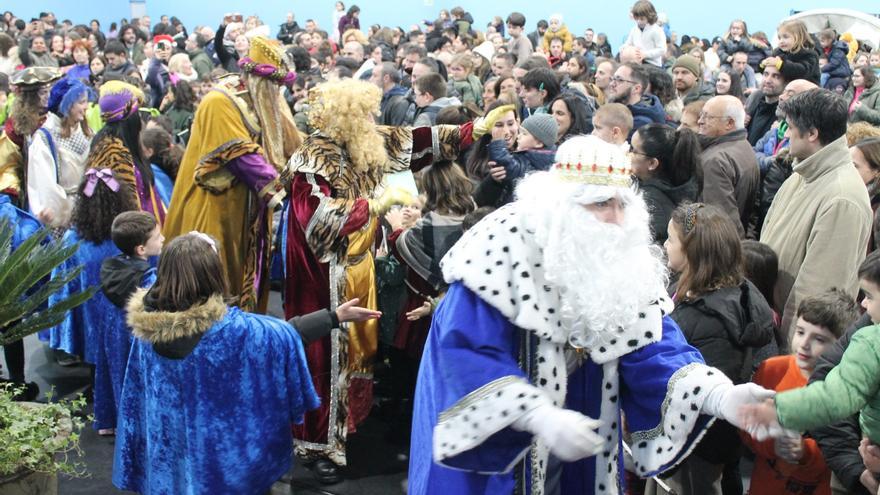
{"x": 705, "y": 19}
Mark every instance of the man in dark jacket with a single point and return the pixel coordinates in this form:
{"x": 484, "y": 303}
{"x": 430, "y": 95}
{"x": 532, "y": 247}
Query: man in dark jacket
{"x": 688, "y": 80}
{"x": 762, "y": 105}
{"x": 195, "y": 48}
{"x": 730, "y": 170}
{"x": 118, "y": 64}
{"x": 840, "y": 441}
{"x": 287, "y": 30}
{"x": 628, "y": 87}
{"x": 394, "y": 103}
{"x": 537, "y": 36}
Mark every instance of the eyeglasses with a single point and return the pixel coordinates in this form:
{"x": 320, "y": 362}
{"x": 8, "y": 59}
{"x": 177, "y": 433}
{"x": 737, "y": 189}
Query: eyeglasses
{"x": 635, "y": 152}
{"x": 619, "y": 80}
{"x": 704, "y": 115}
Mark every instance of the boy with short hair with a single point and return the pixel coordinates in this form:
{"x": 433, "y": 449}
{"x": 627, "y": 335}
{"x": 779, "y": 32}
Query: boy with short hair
{"x": 138, "y": 236}
{"x": 430, "y": 97}
{"x": 612, "y": 123}
{"x": 794, "y": 460}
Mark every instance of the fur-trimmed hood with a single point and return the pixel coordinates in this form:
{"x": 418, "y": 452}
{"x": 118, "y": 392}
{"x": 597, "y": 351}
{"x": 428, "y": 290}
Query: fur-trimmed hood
{"x": 163, "y": 326}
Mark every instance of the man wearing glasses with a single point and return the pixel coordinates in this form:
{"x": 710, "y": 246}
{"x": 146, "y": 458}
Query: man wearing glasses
{"x": 730, "y": 168}
{"x": 628, "y": 87}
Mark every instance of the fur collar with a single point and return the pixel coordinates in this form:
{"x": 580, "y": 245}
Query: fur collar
{"x": 162, "y": 326}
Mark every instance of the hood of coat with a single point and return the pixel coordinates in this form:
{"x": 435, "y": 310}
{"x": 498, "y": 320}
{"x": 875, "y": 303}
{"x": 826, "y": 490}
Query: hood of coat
{"x": 164, "y": 326}
{"x": 742, "y": 310}
{"x": 121, "y": 276}
{"x": 650, "y": 107}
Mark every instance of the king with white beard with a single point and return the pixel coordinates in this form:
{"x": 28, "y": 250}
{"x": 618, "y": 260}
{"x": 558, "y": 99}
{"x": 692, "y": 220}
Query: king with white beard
{"x": 553, "y": 325}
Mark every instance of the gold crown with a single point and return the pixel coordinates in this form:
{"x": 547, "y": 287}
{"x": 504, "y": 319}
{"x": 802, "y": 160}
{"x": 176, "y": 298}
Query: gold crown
{"x": 266, "y": 51}
{"x": 589, "y": 160}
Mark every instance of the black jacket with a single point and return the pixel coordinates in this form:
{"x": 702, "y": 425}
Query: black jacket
{"x": 122, "y": 275}
{"x": 800, "y": 65}
{"x": 662, "y": 198}
{"x": 840, "y": 441}
{"x": 726, "y": 326}
{"x": 762, "y": 116}
{"x": 286, "y": 32}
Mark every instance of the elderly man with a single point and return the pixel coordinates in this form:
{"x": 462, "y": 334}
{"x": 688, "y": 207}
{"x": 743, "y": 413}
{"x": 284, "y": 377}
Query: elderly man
{"x": 820, "y": 221}
{"x": 538, "y": 335}
{"x": 628, "y": 87}
{"x": 730, "y": 169}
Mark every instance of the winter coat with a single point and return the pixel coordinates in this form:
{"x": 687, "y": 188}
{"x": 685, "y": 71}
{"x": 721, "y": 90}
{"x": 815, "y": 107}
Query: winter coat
{"x": 394, "y": 106}
{"x": 226, "y": 54}
{"x": 778, "y": 171}
{"x": 648, "y": 110}
{"x": 869, "y": 110}
{"x": 730, "y": 176}
{"x": 651, "y": 41}
{"x": 840, "y": 441}
{"x": 346, "y": 23}
{"x": 758, "y": 53}
{"x": 286, "y": 32}
{"x": 803, "y": 64}
{"x": 729, "y": 46}
{"x": 818, "y": 224}
{"x": 517, "y": 164}
{"x": 562, "y": 33}
{"x": 469, "y": 90}
{"x": 700, "y": 91}
{"x": 159, "y": 81}
{"x": 726, "y": 325}
{"x": 838, "y": 65}
{"x": 201, "y": 62}
{"x": 427, "y": 116}
{"x": 662, "y": 198}
{"x": 851, "y": 387}
{"x": 33, "y": 59}
{"x": 762, "y": 116}
{"x": 123, "y": 70}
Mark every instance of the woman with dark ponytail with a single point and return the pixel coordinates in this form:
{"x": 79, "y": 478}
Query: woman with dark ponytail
{"x": 666, "y": 163}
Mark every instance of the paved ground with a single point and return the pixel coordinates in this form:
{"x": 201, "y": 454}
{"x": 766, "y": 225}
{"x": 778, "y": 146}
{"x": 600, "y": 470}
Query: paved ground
{"x": 377, "y": 464}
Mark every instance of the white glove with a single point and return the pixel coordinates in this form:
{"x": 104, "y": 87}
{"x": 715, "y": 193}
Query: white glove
{"x": 725, "y": 400}
{"x": 569, "y": 434}
{"x": 761, "y": 433}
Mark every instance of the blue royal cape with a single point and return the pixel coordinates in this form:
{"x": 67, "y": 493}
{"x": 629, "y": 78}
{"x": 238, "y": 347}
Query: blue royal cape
{"x": 216, "y": 420}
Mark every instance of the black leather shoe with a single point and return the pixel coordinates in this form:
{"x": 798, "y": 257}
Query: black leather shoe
{"x": 326, "y": 472}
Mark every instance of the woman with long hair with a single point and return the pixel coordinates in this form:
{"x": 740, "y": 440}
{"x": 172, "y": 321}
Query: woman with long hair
{"x": 420, "y": 245}
{"x": 573, "y": 115}
{"x": 500, "y": 115}
{"x": 666, "y": 163}
{"x": 728, "y": 82}
{"x": 866, "y": 157}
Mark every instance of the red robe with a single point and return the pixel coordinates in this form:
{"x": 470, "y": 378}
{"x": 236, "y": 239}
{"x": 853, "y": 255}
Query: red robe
{"x": 328, "y": 209}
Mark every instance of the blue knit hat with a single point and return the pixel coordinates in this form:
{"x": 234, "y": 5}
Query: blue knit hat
{"x": 65, "y": 93}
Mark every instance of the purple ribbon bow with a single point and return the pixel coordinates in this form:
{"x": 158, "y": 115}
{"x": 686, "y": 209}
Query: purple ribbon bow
{"x": 92, "y": 176}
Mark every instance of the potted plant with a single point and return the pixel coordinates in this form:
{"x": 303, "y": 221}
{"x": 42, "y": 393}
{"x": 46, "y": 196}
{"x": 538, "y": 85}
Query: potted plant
{"x": 36, "y": 438}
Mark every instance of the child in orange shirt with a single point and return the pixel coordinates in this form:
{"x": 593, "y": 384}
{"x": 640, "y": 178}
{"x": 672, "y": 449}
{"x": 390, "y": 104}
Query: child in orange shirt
{"x": 794, "y": 465}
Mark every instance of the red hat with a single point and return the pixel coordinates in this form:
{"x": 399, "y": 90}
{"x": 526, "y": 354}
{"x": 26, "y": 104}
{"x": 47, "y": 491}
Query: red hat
{"x": 163, "y": 37}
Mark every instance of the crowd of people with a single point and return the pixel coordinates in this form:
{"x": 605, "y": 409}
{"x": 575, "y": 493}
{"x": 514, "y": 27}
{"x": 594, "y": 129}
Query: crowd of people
{"x": 572, "y": 267}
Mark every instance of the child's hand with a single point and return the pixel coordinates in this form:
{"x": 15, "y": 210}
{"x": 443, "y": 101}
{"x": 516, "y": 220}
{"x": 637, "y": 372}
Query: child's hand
{"x": 770, "y": 61}
{"x": 498, "y": 173}
{"x": 420, "y": 312}
{"x": 394, "y": 218}
{"x": 758, "y": 419}
{"x": 870, "y": 455}
{"x": 46, "y": 216}
{"x": 790, "y": 447}
{"x": 497, "y": 133}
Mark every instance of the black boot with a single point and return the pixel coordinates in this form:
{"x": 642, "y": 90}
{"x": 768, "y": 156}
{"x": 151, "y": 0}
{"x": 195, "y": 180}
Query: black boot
{"x": 326, "y": 471}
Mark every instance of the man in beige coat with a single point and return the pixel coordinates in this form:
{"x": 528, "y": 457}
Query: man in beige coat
{"x": 820, "y": 220}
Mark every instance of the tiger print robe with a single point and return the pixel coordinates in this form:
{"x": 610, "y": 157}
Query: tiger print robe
{"x": 329, "y": 261}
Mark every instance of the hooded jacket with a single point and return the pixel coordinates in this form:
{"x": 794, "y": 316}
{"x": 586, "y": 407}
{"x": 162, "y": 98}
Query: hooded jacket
{"x": 662, "y": 198}
{"x": 427, "y": 116}
{"x": 122, "y": 275}
{"x": 838, "y": 65}
{"x": 803, "y": 64}
{"x": 562, "y": 33}
{"x": 869, "y": 110}
{"x": 394, "y": 106}
{"x": 648, "y": 110}
{"x": 726, "y": 326}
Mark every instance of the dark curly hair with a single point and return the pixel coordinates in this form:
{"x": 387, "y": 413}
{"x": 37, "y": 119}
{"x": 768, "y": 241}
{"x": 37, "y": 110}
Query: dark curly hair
{"x": 93, "y": 215}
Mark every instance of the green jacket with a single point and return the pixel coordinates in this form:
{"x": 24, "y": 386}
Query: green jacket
{"x": 469, "y": 90}
{"x": 201, "y": 62}
{"x": 869, "y": 111}
{"x": 852, "y": 386}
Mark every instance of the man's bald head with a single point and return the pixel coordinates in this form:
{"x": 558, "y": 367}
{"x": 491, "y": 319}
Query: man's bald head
{"x": 795, "y": 87}
{"x": 721, "y": 115}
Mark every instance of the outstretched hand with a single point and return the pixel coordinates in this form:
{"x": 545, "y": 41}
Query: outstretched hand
{"x": 349, "y": 311}
{"x": 760, "y": 420}
{"x": 420, "y": 312}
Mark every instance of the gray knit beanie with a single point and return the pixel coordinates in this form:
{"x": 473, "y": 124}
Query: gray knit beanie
{"x": 543, "y": 127}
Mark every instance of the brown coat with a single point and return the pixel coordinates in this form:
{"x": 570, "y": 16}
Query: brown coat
{"x": 731, "y": 178}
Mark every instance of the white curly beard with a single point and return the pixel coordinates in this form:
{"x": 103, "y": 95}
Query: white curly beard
{"x": 604, "y": 272}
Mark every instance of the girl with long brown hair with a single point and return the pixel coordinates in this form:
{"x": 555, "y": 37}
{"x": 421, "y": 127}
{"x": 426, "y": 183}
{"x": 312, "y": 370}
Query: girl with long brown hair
{"x": 720, "y": 313}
